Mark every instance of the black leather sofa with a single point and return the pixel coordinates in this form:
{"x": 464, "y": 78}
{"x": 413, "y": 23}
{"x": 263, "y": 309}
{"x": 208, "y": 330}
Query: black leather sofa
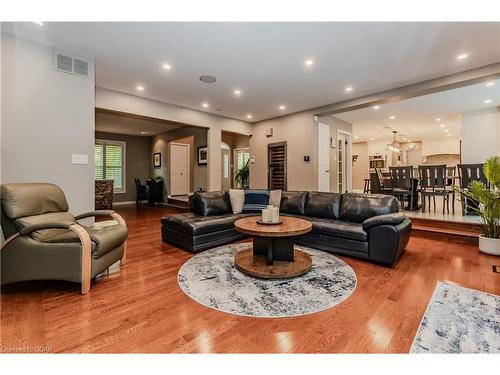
{"x": 363, "y": 226}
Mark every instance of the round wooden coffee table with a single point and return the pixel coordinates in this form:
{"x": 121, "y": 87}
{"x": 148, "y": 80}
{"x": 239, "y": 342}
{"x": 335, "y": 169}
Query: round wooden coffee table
{"x": 273, "y": 255}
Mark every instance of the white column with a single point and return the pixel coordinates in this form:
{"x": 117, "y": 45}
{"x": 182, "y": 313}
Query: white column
{"x": 480, "y": 135}
{"x": 214, "y": 159}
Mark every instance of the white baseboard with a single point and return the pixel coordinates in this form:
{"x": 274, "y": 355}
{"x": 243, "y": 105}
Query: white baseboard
{"x": 127, "y": 202}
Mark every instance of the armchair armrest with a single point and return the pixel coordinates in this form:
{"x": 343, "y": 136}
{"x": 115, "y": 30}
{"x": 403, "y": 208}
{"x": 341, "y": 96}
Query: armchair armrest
{"x": 115, "y": 216}
{"x": 50, "y": 225}
{"x": 95, "y": 213}
{"x": 389, "y": 219}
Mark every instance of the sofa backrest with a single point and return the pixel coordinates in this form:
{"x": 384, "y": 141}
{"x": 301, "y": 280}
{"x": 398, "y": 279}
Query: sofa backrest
{"x": 293, "y": 202}
{"x": 359, "y": 207}
{"x": 211, "y": 203}
{"x": 324, "y": 205}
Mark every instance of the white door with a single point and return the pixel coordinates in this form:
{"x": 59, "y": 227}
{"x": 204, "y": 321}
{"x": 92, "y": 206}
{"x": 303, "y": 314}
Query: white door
{"x": 323, "y": 157}
{"x": 344, "y": 162}
{"x": 241, "y": 156}
{"x": 179, "y": 169}
{"x": 225, "y": 169}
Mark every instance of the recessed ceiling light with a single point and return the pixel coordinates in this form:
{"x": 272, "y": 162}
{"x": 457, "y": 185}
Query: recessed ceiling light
{"x": 409, "y": 140}
{"x": 249, "y": 116}
{"x": 237, "y": 92}
{"x": 39, "y": 23}
{"x": 167, "y": 66}
{"x": 140, "y": 87}
{"x": 143, "y": 132}
{"x": 372, "y": 139}
{"x": 309, "y": 62}
{"x": 204, "y": 105}
{"x": 405, "y": 139}
{"x": 490, "y": 84}
{"x": 442, "y": 125}
{"x": 356, "y": 137}
{"x": 446, "y": 130}
{"x": 438, "y": 119}
{"x": 462, "y": 56}
{"x": 392, "y": 117}
{"x": 376, "y": 107}
{"x": 449, "y": 134}
{"x": 487, "y": 101}
{"x": 282, "y": 107}
{"x": 348, "y": 89}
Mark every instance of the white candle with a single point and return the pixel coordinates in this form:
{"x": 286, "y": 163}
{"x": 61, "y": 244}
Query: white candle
{"x": 265, "y": 215}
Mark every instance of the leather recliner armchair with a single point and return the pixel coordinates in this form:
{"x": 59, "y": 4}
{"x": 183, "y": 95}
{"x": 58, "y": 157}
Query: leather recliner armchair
{"x": 45, "y": 242}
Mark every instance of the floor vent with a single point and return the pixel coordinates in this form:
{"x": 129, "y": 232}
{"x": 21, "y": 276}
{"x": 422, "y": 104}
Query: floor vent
{"x": 65, "y": 62}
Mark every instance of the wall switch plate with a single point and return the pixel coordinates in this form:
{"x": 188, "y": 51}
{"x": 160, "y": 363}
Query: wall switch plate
{"x": 79, "y": 159}
{"x": 252, "y": 159}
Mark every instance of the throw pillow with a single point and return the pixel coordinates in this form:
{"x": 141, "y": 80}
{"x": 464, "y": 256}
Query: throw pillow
{"x": 255, "y": 200}
{"x": 237, "y": 198}
{"x": 275, "y": 198}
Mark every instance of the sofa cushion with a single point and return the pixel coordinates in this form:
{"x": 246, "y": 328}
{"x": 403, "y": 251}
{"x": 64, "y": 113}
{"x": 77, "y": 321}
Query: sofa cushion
{"x": 319, "y": 204}
{"x": 194, "y": 225}
{"x": 337, "y": 228}
{"x": 357, "y": 208}
{"x": 293, "y": 202}
{"x": 104, "y": 238}
{"x": 237, "y": 198}
{"x": 211, "y": 203}
{"x": 255, "y": 200}
{"x": 275, "y": 198}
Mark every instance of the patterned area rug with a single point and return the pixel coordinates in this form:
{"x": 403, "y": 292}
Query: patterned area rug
{"x": 459, "y": 320}
{"x": 211, "y": 279}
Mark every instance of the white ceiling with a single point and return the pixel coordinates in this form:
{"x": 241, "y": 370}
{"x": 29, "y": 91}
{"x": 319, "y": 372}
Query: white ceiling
{"x": 118, "y": 124}
{"x": 266, "y": 60}
{"x": 415, "y": 119}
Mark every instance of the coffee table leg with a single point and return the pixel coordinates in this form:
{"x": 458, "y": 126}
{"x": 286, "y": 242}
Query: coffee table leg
{"x": 269, "y": 252}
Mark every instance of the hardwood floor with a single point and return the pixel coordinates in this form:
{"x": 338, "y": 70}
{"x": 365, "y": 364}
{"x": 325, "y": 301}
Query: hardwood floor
{"x": 142, "y": 309}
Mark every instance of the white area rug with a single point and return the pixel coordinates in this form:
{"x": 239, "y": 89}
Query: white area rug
{"x": 211, "y": 279}
{"x": 459, "y": 320}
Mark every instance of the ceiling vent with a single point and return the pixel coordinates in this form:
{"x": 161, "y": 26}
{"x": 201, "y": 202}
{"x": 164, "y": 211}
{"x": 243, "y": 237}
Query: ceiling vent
{"x": 68, "y": 63}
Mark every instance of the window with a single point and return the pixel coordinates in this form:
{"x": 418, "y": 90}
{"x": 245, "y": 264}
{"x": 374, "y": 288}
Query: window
{"x": 109, "y": 163}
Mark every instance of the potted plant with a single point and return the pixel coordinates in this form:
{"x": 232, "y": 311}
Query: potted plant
{"x": 242, "y": 176}
{"x": 488, "y": 199}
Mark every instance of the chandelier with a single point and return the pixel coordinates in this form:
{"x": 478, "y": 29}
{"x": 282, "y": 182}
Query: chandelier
{"x": 393, "y": 146}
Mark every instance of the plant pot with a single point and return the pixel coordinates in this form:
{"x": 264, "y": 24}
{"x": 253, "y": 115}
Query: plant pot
{"x": 489, "y": 245}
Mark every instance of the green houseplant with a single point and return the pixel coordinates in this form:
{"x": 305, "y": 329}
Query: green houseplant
{"x": 242, "y": 176}
{"x": 488, "y": 198}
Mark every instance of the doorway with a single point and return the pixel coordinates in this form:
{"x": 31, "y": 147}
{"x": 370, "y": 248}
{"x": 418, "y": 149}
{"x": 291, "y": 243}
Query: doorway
{"x": 241, "y": 156}
{"x": 344, "y": 162}
{"x": 225, "y": 166}
{"x": 323, "y": 157}
{"x": 179, "y": 168}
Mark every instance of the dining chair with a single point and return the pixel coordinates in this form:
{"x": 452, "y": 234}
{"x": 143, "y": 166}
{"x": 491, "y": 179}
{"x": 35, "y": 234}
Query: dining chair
{"x": 402, "y": 183}
{"x": 466, "y": 174}
{"x": 433, "y": 183}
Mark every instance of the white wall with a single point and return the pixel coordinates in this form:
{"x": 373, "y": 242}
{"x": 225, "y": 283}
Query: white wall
{"x": 117, "y": 101}
{"x": 300, "y": 132}
{"x": 480, "y": 135}
{"x": 46, "y": 116}
{"x": 440, "y": 146}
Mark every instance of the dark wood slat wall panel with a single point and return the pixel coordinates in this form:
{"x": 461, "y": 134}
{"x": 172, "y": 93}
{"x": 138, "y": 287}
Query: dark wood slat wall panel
{"x": 277, "y": 166}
